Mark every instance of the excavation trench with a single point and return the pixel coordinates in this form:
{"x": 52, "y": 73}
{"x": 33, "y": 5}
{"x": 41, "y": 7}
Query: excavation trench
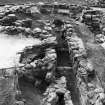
{"x": 64, "y": 60}
{"x": 29, "y": 92}
{"x": 64, "y": 68}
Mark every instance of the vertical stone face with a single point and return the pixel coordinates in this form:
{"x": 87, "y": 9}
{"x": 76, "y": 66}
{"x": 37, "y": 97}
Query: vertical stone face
{"x": 86, "y": 76}
{"x": 72, "y": 42}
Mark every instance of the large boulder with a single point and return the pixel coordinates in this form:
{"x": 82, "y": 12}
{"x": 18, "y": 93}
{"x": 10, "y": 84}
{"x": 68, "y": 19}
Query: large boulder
{"x": 27, "y": 23}
{"x": 36, "y": 32}
{"x": 24, "y": 23}
{"x": 100, "y": 38}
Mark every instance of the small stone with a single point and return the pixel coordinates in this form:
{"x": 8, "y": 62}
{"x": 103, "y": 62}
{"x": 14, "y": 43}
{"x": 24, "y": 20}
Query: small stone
{"x": 60, "y": 91}
{"x": 19, "y": 103}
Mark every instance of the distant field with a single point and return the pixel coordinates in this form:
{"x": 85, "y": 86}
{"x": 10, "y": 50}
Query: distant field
{"x": 24, "y": 1}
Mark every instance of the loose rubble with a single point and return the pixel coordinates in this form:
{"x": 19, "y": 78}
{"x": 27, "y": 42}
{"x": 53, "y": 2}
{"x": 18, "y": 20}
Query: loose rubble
{"x": 57, "y": 93}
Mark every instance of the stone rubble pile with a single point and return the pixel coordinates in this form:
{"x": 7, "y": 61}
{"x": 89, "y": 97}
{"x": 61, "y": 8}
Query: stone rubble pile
{"x": 27, "y": 9}
{"x": 40, "y": 68}
{"x": 11, "y": 25}
{"x": 100, "y": 38}
{"x": 57, "y": 93}
{"x": 10, "y": 16}
{"x": 11, "y": 22}
{"x": 92, "y": 18}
